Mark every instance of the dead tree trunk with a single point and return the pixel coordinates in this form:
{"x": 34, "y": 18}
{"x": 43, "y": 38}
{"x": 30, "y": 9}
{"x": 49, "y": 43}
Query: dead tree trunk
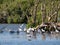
{"x": 43, "y": 9}
{"x": 57, "y": 10}
{"x": 56, "y": 15}
{"x": 35, "y": 11}
{"x": 54, "y": 12}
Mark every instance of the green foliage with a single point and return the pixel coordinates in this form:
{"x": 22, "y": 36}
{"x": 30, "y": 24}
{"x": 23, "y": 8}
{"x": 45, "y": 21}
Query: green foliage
{"x": 21, "y": 11}
{"x": 8, "y": 19}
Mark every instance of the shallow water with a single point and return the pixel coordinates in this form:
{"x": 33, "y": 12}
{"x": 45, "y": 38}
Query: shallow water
{"x": 22, "y": 38}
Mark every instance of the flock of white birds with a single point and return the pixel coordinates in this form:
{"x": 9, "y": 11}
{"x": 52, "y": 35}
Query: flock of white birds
{"x": 30, "y": 29}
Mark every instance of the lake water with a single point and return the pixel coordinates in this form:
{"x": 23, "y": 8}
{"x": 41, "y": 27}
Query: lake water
{"x": 22, "y": 38}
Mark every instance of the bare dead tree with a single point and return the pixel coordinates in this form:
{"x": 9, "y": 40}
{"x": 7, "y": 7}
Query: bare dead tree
{"x": 43, "y": 9}
{"x": 35, "y": 11}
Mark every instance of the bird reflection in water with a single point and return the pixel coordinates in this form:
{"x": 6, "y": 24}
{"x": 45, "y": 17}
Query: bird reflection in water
{"x": 50, "y": 36}
{"x": 31, "y": 35}
{"x": 43, "y": 36}
{"x": 34, "y": 34}
{"x": 29, "y": 38}
{"x": 56, "y": 36}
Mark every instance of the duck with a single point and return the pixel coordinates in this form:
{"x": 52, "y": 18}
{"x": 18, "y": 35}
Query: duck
{"x": 25, "y": 29}
{"x": 21, "y": 26}
{"x": 20, "y": 29}
{"x": 30, "y": 29}
{"x": 42, "y": 30}
{"x": 56, "y": 31}
{"x": 1, "y": 31}
{"x": 11, "y": 31}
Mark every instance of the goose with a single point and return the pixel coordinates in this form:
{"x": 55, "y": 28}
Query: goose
{"x": 42, "y": 30}
{"x": 56, "y": 31}
{"x": 31, "y": 29}
{"x": 28, "y": 30}
{"x": 11, "y": 31}
{"x": 20, "y": 29}
{"x": 21, "y": 25}
{"x": 25, "y": 29}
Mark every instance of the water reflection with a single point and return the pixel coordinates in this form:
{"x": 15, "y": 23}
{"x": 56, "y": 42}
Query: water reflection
{"x": 32, "y": 35}
{"x": 33, "y": 38}
{"x": 44, "y": 36}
